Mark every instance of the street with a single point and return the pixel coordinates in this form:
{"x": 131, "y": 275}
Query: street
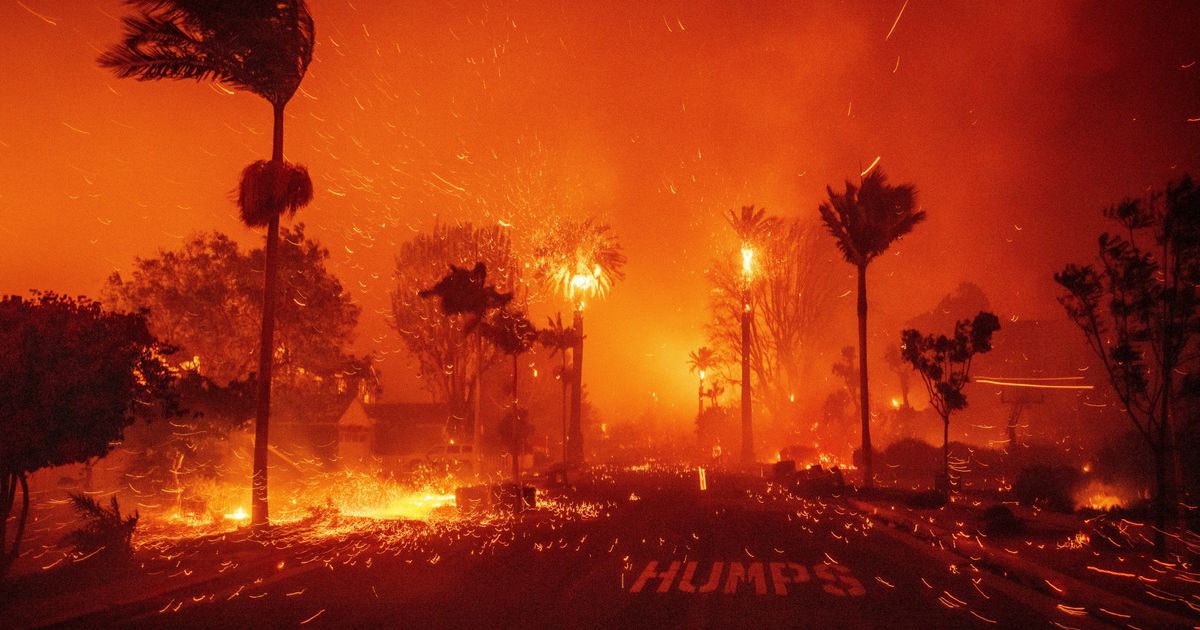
{"x": 659, "y": 553}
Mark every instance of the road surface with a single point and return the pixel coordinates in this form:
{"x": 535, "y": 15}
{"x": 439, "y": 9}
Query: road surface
{"x": 653, "y": 550}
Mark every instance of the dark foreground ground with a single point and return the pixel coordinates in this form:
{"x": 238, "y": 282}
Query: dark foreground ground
{"x": 640, "y": 548}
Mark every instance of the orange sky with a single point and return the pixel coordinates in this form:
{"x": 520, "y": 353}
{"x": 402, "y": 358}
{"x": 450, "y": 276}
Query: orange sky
{"x": 1016, "y": 121}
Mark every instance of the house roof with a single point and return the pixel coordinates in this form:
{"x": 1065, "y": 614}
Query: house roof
{"x": 400, "y": 428}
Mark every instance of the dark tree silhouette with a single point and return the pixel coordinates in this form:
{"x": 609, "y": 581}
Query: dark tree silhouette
{"x": 865, "y": 220}
{"x": 513, "y": 334}
{"x": 944, "y": 364}
{"x": 1139, "y": 311}
{"x": 450, "y": 353}
{"x": 263, "y": 47}
{"x": 71, "y": 378}
{"x": 559, "y": 339}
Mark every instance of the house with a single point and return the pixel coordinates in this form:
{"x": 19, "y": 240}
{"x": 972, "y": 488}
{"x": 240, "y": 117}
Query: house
{"x": 389, "y": 436}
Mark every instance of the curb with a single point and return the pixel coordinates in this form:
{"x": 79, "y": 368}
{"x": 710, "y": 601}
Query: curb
{"x": 1028, "y": 573}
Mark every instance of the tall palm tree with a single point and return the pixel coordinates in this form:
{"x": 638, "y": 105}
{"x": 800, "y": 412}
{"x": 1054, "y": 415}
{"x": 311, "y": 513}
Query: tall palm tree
{"x": 579, "y": 260}
{"x": 700, "y": 362}
{"x": 865, "y": 221}
{"x": 263, "y": 47}
{"x": 752, "y": 226}
{"x": 559, "y": 339}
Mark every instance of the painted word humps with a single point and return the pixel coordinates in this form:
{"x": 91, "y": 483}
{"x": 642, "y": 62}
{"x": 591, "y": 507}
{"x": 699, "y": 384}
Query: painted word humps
{"x": 834, "y": 579}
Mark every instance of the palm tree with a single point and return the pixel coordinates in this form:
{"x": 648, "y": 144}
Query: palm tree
{"x": 263, "y": 47}
{"x": 700, "y": 362}
{"x": 865, "y": 221}
{"x": 579, "y": 260}
{"x": 559, "y": 339}
{"x": 513, "y": 334}
{"x": 752, "y": 226}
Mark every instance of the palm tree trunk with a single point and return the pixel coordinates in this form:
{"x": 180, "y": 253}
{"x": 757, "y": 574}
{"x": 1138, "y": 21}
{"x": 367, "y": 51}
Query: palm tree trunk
{"x": 576, "y": 438}
{"x": 260, "y": 516}
{"x": 476, "y": 419}
{"x": 747, "y": 404}
{"x": 563, "y": 372}
{"x": 516, "y": 441}
{"x": 864, "y": 396}
{"x": 8, "y": 492}
{"x": 946, "y": 453}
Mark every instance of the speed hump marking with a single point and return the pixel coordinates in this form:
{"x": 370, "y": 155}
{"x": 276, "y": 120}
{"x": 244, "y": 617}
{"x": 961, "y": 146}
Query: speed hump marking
{"x": 729, "y": 578}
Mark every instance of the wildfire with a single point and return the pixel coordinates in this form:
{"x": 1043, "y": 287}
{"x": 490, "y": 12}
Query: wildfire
{"x": 237, "y": 515}
{"x": 1101, "y": 496}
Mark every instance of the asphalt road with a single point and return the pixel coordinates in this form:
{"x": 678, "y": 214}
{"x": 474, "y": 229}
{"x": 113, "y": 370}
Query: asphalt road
{"x": 658, "y": 553}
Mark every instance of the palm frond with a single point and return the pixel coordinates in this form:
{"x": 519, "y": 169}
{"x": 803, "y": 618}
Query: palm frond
{"x": 260, "y": 46}
{"x": 268, "y": 189}
{"x": 865, "y": 220}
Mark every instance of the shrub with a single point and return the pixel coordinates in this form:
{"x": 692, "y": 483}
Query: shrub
{"x": 1046, "y": 486}
{"x": 998, "y": 520}
{"x": 926, "y": 500}
{"x": 105, "y": 533}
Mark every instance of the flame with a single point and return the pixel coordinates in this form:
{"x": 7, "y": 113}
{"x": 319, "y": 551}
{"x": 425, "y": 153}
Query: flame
{"x": 1101, "y": 496}
{"x": 238, "y": 515}
{"x": 747, "y": 260}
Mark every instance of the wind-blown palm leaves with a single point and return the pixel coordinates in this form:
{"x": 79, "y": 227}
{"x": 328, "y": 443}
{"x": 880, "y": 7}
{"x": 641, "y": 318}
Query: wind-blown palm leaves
{"x": 702, "y": 360}
{"x": 865, "y": 221}
{"x": 261, "y": 46}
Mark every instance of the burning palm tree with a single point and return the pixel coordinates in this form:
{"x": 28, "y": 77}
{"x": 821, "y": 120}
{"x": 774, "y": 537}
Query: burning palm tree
{"x": 752, "y": 226}
{"x": 865, "y": 221}
{"x": 700, "y": 362}
{"x": 580, "y": 260}
{"x": 263, "y": 47}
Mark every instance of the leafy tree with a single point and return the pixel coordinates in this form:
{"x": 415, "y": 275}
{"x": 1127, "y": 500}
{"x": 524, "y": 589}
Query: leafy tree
{"x": 865, "y": 220}
{"x": 579, "y": 260}
{"x": 263, "y": 47}
{"x": 944, "y": 364}
{"x": 449, "y": 357}
{"x": 206, "y": 299}
{"x": 1139, "y": 311}
{"x": 72, "y": 377}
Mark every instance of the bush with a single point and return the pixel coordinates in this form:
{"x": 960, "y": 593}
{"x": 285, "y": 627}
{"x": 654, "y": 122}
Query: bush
{"x": 926, "y": 500}
{"x": 1049, "y": 487}
{"x": 913, "y": 457}
{"x": 998, "y": 520}
{"x": 105, "y": 534}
